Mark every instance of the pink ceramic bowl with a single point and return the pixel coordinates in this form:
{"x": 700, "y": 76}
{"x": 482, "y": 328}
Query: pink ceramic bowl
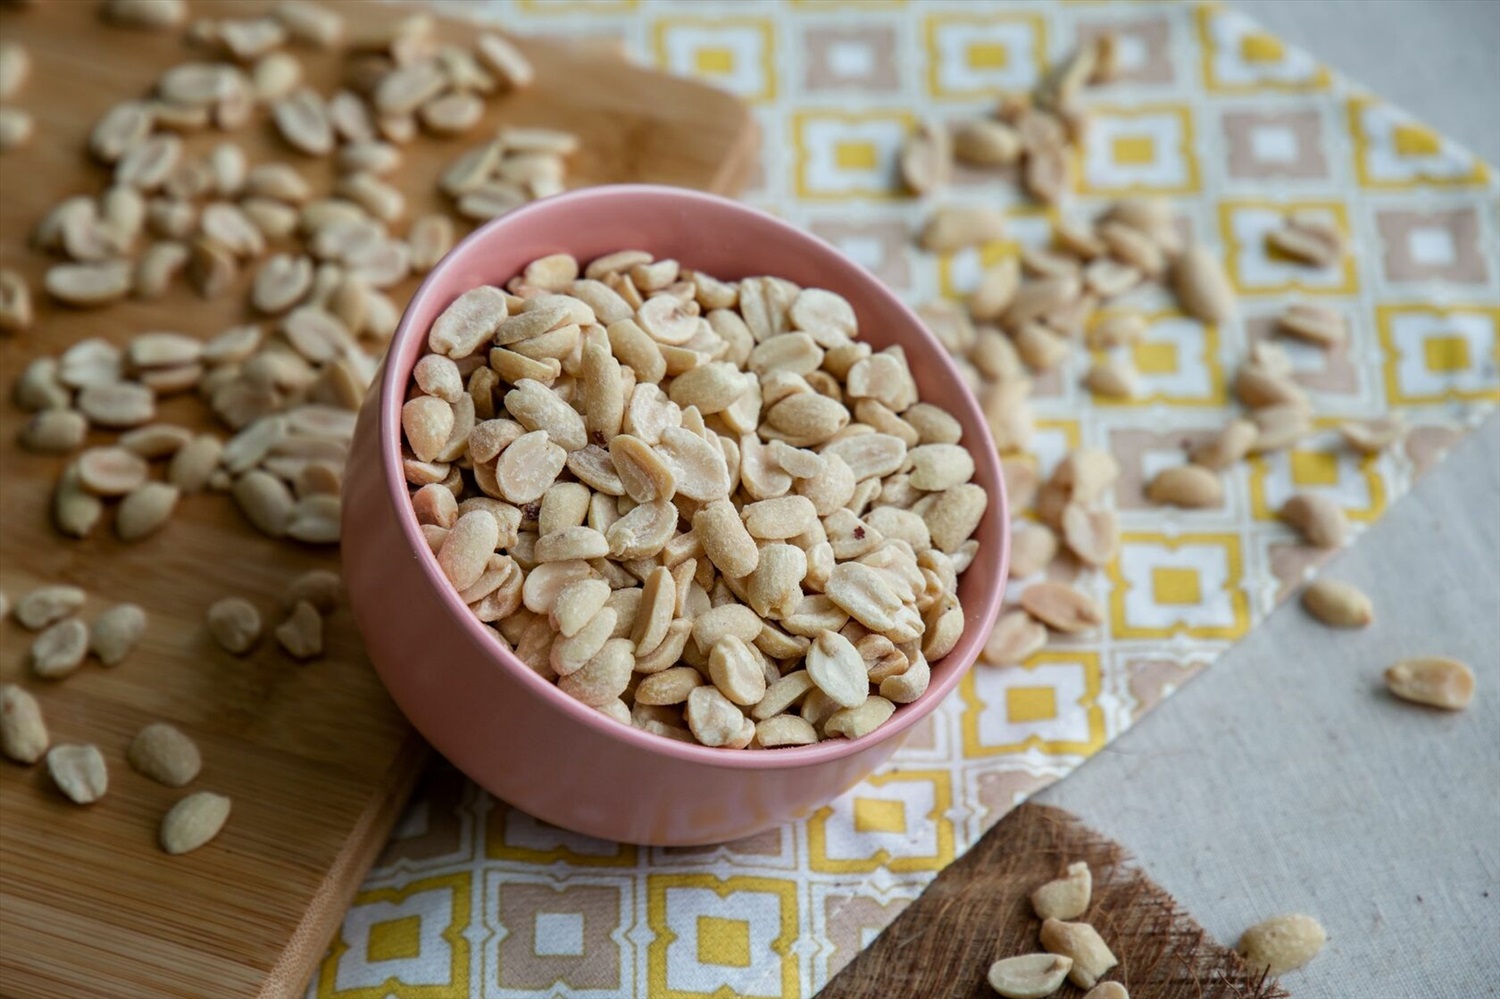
{"x": 514, "y": 732}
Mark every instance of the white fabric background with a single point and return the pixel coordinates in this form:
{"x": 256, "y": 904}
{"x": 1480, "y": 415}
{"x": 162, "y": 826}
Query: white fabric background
{"x": 1283, "y": 779}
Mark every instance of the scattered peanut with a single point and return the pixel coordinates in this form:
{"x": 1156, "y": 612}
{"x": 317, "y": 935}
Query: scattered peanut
{"x": 1067, "y": 897}
{"x": 79, "y": 772}
{"x": 1081, "y": 942}
{"x": 1029, "y": 976}
{"x": 23, "y": 733}
{"x": 164, "y": 754}
{"x": 193, "y": 821}
{"x": 1340, "y": 605}
{"x": 1281, "y": 944}
{"x": 1434, "y": 681}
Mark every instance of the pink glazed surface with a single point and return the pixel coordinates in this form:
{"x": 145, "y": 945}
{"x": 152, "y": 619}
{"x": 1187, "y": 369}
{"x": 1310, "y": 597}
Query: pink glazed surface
{"x": 512, "y": 731}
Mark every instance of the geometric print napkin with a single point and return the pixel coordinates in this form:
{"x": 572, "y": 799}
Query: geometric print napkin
{"x": 475, "y": 899}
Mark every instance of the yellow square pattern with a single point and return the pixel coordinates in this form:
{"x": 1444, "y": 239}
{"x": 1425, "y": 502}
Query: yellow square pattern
{"x": 1155, "y": 358}
{"x": 879, "y": 815}
{"x": 987, "y": 55}
{"x": 1314, "y": 468}
{"x": 723, "y": 941}
{"x": 1415, "y": 140}
{"x": 395, "y": 939}
{"x": 1024, "y": 704}
{"x": 1446, "y": 354}
{"x": 1260, "y": 47}
{"x": 1134, "y": 150}
{"x": 1175, "y": 587}
{"x": 714, "y": 61}
{"x": 856, "y": 155}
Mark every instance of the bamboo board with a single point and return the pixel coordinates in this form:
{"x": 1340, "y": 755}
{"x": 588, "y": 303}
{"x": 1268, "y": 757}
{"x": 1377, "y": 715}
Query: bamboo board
{"x": 315, "y": 757}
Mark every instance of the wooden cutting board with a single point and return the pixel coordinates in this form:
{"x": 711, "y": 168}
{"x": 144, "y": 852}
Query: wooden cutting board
{"x": 316, "y": 758}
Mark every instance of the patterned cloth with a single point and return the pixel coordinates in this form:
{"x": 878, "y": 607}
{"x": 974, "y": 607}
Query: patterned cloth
{"x": 472, "y": 898}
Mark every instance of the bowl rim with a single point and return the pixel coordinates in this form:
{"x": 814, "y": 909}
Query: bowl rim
{"x": 392, "y": 394}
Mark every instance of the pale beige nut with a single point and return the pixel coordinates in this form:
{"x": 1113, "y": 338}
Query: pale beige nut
{"x": 1108, "y": 990}
{"x": 468, "y": 547}
{"x": 1374, "y": 436}
{"x": 785, "y": 730}
{"x": 15, "y": 68}
{"x": 1321, "y": 521}
{"x": 955, "y": 515}
{"x": 837, "y": 669}
{"x": 605, "y": 676}
{"x": 75, "y": 510}
{"x": 79, "y": 772}
{"x": 1317, "y": 243}
{"x": 48, "y": 604}
{"x": 1340, "y": 605}
{"x": 60, "y": 649}
{"x": 514, "y": 70}
{"x": 301, "y": 634}
{"x": 1113, "y": 378}
{"x": 1066, "y": 897}
{"x": 145, "y": 510}
{"x": 1117, "y": 329}
{"x": 117, "y": 406}
{"x": 164, "y": 754}
{"x": 302, "y": 120}
{"x": 1062, "y": 608}
{"x": 427, "y": 423}
{"x": 735, "y": 669}
{"x": 116, "y": 632}
{"x": 16, "y": 128}
{"x": 1202, "y": 286}
{"x": 906, "y": 687}
{"x": 670, "y": 686}
{"x": 568, "y": 655}
{"x": 1029, "y": 976}
{"x": 1092, "y": 535}
{"x": 430, "y": 238}
{"x": 265, "y": 501}
{"x": 951, "y": 228}
{"x": 1190, "y": 486}
{"x": 1081, "y": 942}
{"x": 193, "y": 464}
{"x": 861, "y": 720}
{"x": 234, "y": 624}
{"x": 1278, "y": 427}
{"x": 89, "y": 285}
{"x": 193, "y": 822}
{"x": 16, "y": 312}
{"x": 528, "y": 467}
{"x": 323, "y": 588}
{"x": 1258, "y": 386}
{"x": 310, "y": 23}
{"x": 1316, "y": 324}
{"x": 1033, "y": 546}
{"x": 54, "y": 431}
{"x": 926, "y": 158}
{"x": 1281, "y": 944}
{"x": 23, "y": 732}
{"x": 1014, "y": 639}
{"x": 1434, "y": 681}
{"x": 1227, "y": 447}
{"x": 986, "y": 142}
{"x": 714, "y": 719}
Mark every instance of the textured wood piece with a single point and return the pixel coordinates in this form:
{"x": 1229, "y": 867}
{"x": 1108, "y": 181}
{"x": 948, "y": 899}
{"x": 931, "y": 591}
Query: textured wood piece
{"x": 315, "y": 757}
{"x": 978, "y": 910}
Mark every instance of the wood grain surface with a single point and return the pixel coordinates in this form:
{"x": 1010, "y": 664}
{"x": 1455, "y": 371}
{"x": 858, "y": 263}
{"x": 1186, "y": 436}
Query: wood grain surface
{"x": 315, "y": 757}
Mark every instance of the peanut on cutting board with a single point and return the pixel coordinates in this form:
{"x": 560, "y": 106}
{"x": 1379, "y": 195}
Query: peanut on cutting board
{"x": 676, "y": 494}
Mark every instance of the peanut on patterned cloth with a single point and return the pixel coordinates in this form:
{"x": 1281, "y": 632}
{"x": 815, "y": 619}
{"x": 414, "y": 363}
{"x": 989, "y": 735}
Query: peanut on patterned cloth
{"x": 473, "y": 898}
